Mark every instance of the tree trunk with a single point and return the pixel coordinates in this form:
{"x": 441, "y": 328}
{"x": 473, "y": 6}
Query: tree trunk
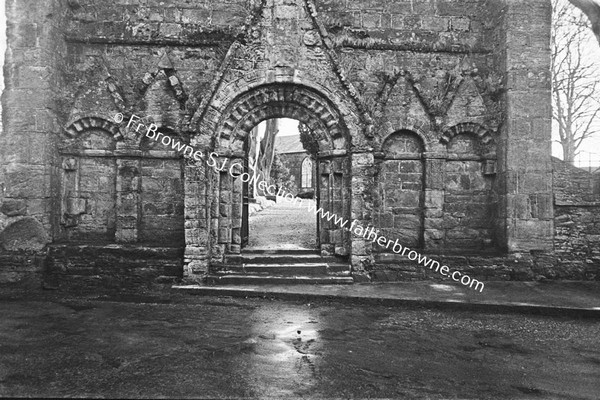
{"x": 267, "y": 151}
{"x": 253, "y": 160}
{"x": 568, "y": 153}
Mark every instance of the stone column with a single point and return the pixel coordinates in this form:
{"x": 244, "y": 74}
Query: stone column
{"x": 525, "y": 167}
{"x": 128, "y": 201}
{"x": 29, "y": 166}
{"x": 435, "y": 169}
{"x": 196, "y": 223}
{"x": 234, "y": 208}
{"x": 362, "y": 184}
{"x": 220, "y": 232}
{"x": 325, "y": 204}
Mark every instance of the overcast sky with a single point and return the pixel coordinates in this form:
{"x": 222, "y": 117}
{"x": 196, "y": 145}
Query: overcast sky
{"x": 288, "y": 127}
{"x": 590, "y": 149}
{"x": 2, "y": 49}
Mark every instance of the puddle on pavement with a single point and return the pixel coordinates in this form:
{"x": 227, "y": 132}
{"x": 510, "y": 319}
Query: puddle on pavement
{"x": 446, "y": 288}
{"x": 286, "y": 348}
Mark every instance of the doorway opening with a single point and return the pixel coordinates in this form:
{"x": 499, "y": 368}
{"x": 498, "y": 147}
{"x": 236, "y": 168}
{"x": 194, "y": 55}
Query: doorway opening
{"x": 333, "y": 188}
{"x": 283, "y": 153}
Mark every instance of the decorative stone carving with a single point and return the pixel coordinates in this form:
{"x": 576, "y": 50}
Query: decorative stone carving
{"x": 69, "y": 164}
{"x": 311, "y": 38}
{"x": 83, "y": 124}
{"x": 489, "y": 168}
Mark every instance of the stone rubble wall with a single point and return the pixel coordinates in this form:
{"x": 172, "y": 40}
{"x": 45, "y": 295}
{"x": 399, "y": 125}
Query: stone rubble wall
{"x": 577, "y": 221}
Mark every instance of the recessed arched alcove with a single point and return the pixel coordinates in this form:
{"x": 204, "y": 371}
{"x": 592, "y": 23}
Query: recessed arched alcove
{"x": 401, "y": 188}
{"x": 470, "y": 206}
{"x": 119, "y": 190}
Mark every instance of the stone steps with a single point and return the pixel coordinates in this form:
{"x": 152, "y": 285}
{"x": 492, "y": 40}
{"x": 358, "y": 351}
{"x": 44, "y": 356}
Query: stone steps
{"x": 285, "y": 269}
{"x": 280, "y": 267}
{"x": 279, "y": 252}
{"x": 256, "y": 280}
{"x": 279, "y": 258}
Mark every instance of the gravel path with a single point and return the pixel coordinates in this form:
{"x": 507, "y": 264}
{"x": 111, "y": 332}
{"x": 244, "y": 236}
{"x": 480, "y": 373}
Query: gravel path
{"x": 284, "y": 226}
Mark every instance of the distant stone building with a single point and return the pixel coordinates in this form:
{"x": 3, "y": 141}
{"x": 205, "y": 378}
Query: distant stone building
{"x": 596, "y": 177}
{"x": 298, "y": 161}
{"x": 433, "y": 120}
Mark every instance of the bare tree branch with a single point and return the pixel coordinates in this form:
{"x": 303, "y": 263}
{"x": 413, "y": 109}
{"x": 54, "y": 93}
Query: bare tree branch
{"x": 575, "y": 87}
{"x": 591, "y": 8}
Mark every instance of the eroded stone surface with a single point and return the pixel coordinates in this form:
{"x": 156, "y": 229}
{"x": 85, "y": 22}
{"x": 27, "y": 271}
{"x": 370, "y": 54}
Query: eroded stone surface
{"x": 25, "y": 234}
{"x": 13, "y": 208}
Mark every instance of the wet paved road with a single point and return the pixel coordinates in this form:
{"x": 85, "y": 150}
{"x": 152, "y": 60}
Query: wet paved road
{"x": 283, "y": 226}
{"x": 178, "y": 346}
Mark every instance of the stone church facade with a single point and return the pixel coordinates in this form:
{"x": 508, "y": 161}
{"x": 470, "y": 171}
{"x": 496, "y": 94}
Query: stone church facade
{"x": 299, "y": 163}
{"x": 433, "y": 119}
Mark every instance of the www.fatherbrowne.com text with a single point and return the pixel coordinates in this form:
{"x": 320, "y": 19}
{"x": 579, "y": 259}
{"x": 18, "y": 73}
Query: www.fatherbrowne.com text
{"x": 369, "y": 233}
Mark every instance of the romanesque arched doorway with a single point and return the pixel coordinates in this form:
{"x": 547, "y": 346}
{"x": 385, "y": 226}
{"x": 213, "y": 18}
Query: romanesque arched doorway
{"x": 229, "y": 186}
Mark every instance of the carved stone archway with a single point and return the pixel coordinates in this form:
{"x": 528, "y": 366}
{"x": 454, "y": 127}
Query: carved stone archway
{"x": 239, "y": 118}
{"x": 279, "y": 101}
{"x": 214, "y": 200}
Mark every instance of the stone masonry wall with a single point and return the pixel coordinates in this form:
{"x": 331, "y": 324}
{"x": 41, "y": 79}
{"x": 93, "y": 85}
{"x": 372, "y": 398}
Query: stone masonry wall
{"x": 577, "y": 221}
{"x": 432, "y": 118}
{"x": 576, "y": 254}
{"x": 34, "y": 60}
{"x": 525, "y": 168}
{"x": 293, "y": 161}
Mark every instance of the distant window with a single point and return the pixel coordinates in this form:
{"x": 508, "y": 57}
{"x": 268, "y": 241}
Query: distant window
{"x": 307, "y": 173}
